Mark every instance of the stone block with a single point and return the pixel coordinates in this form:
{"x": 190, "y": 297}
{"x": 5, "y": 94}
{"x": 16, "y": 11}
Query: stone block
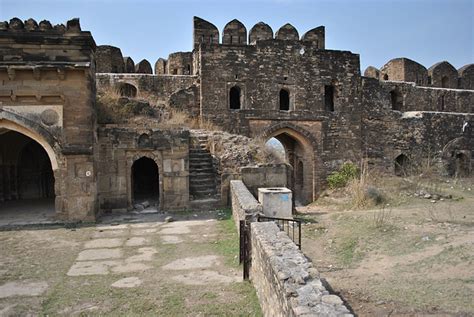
{"x": 276, "y": 201}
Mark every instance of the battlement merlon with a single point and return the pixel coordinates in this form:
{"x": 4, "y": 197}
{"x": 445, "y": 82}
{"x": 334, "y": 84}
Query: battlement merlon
{"x": 235, "y": 33}
{"x": 24, "y": 43}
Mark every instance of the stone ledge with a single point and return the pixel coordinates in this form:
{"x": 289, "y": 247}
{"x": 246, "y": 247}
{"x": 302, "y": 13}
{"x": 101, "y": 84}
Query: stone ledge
{"x": 244, "y": 204}
{"x": 287, "y": 284}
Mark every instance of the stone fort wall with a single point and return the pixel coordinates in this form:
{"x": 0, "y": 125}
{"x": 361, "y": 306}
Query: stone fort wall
{"x": 261, "y": 84}
{"x": 47, "y": 94}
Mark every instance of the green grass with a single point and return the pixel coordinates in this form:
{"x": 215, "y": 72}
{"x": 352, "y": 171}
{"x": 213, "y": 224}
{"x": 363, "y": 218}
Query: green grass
{"x": 423, "y": 293}
{"x": 228, "y": 244}
{"x": 449, "y": 255}
{"x": 347, "y": 252}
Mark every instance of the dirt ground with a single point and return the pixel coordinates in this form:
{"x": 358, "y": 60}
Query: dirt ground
{"x": 412, "y": 257}
{"x": 139, "y": 267}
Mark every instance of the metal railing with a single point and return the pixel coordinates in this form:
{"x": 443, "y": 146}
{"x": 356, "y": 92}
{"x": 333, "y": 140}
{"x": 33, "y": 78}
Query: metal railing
{"x": 287, "y": 225}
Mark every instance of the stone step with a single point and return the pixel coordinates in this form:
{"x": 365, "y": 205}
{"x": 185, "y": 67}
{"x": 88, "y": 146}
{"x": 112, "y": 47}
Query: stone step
{"x": 201, "y": 170}
{"x": 203, "y": 185}
{"x": 197, "y": 152}
{"x": 200, "y": 182}
{"x": 195, "y": 188}
{"x": 200, "y": 158}
{"x": 205, "y": 191}
{"x": 202, "y": 178}
{"x": 199, "y": 165}
{"x": 206, "y": 204}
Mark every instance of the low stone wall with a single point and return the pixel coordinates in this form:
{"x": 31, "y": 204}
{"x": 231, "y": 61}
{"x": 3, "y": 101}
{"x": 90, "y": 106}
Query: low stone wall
{"x": 286, "y": 282}
{"x": 266, "y": 175}
{"x": 244, "y": 205}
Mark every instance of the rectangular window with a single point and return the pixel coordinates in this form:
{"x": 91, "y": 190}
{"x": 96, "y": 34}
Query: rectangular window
{"x": 329, "y": 98}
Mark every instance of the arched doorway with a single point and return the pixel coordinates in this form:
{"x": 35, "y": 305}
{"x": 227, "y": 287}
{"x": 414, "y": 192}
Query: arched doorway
{"x": 402, "y": 165}
{"x": 145, "y": 181}
{"x": 299, "y": 154}
{"x": 127, "y": 90}
{"x": 26, "y": 177}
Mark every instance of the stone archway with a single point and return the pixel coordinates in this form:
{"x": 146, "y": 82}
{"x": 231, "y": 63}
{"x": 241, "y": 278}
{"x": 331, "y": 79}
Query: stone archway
{"x": 28, "y": 173}
{"x": 134, "y": 157}
{"x": 456, "y": 157}
{"x": 300, "y": 151}
{"x": 145, "y": 181}
{"x": 10, "y": 125}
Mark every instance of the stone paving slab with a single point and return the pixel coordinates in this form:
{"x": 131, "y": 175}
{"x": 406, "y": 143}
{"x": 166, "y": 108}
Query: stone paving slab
{"x": 191, "y": 263}
{"x": 22, "y": 289}
{"x": 99, "y": 254}
{"x": 143, "y": 232}
{"x": 128, "y": 282}
{"x": 205, "y": 277}
{"x": 168, "y": 239}
{"x": 91, "y": 268}
{"x": 103, "y": 243}
{"x": 137, "y": 241}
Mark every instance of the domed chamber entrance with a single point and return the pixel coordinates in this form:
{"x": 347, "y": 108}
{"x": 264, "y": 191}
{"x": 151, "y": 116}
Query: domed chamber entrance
{"x": 26, "y": 179}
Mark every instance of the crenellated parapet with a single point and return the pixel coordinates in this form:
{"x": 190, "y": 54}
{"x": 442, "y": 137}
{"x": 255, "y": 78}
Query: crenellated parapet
{"x": 441, "y": 75}
{"x": 55, "y": 44}
{"x": 235, "y": 33}
{"x": 30, "y": 25}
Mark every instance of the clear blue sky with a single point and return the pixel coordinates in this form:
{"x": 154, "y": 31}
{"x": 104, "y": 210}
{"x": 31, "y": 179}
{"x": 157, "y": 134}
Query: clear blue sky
{"x": 427, "y": 31}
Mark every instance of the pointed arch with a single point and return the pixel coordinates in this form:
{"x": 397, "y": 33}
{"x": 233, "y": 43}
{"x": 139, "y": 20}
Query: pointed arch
{"x": 32, "y": 134}
{"x": 300, "y": 147}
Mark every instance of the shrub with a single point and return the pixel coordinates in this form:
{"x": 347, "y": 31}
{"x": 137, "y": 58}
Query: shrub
{"x": 340, "y": 178}
{"x": 374, "y": 195}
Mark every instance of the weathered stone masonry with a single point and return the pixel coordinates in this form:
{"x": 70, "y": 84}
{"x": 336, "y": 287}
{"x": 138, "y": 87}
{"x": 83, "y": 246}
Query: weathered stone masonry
{"x": 286, "y": 282}
{"x": 262, "y": 84}
{"x": 48, "y": 94}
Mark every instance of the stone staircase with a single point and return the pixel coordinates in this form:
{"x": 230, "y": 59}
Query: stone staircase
{"x": 202, "y": 175}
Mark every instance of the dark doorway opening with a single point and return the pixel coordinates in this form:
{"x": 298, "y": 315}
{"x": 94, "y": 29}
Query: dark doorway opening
{"x": 284, "y": 100}
{"x": 329, "y": 98}
{"x": 35, "y": 175}
{"x": 401, "y": 165}
{"x": 234, "y": 98}
{"x": 462, "y": 165}
{"x": 145, "y": 180}
{"x": 26, "y": 179}
{"x": 396, "y": 100}
{"x": 128, "y": 90}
